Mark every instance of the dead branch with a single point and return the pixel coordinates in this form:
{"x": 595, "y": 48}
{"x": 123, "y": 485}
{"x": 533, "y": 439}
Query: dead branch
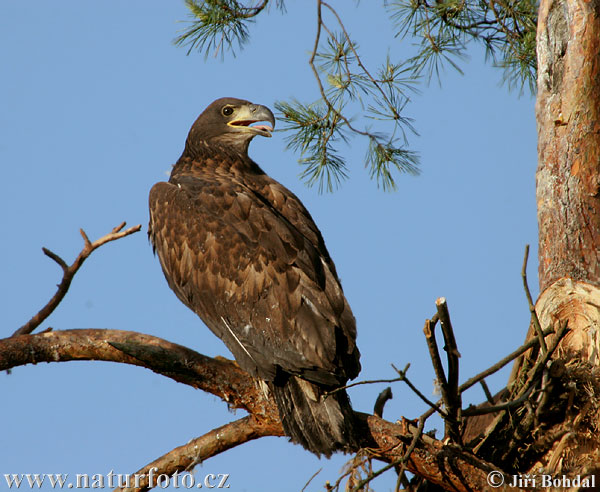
{"x": 311, "y": 479}
{"x": 487, "y": 392}
{"x": 401, "y": 377}
{"x": 451, "y": 393}
{"x": 448, "y": 466}
{"x": 186, "y": 457}
{"x": 534, "y": 317}
{"x": 533, "y": 378}
{"x": 382, "y": 399}
{"x": 393, "y": 464}
{"x": 483, "y": 410}
{"x": 221, "y": 377}
{"x": 497, "y": 366}
{"x": 434, "y": 353}
{"x": 415, "y": 390}
{"x": 70, "y": 271}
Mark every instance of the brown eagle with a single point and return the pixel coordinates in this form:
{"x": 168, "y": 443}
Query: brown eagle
{"x": 242, "y": 252}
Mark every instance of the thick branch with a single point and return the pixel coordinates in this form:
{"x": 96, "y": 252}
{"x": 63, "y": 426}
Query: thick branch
{"x": 221, "y": 377}
{"x": 447, "y": 466}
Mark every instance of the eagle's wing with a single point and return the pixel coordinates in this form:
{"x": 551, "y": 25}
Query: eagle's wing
{"x": 225, "y": 248}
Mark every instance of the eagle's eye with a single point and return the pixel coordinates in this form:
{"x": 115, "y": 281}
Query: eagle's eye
{"x": 227, "y": 111}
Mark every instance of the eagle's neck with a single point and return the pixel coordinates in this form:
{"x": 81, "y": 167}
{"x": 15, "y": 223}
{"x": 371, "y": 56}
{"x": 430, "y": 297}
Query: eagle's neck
{"x": 197, "y": 146}
{"x": 220, "y": 159}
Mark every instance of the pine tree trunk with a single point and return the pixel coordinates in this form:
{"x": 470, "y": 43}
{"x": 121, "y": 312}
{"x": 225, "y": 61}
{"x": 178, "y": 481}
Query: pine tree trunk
{"x": 568, "y": 199}
{"x": 568, "y": 175}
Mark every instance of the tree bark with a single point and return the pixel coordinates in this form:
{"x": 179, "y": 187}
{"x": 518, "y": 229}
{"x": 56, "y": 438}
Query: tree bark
{"x": 568, "y": 200}
{"x": 568, "y": 119}
{"x": 568, "y": 174}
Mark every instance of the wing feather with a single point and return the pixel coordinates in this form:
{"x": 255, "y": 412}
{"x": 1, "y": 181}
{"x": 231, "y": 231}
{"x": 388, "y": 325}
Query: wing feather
{"x": 253, "y": 252}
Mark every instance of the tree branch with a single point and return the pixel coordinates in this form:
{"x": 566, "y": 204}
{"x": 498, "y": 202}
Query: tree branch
{"x": 534, "y": 317}
{"x": 186, "y": 457}
{"x": 219, "y": 376}
{"x": 70, "y": 271}
{"x": 447, "y": 466}
{"x": 452, "y": 393}
{"x": 498, "y": 365}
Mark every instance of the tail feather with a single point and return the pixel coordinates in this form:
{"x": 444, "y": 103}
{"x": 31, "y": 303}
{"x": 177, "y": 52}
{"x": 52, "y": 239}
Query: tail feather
{"x": 321, "y": 424}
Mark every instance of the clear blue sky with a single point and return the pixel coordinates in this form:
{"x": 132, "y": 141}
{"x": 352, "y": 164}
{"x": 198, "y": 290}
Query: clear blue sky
{"x": 95, "y": 105}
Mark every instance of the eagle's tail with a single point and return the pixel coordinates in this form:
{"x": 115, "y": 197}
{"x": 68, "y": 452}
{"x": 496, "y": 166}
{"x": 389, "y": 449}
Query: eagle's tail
{"x": 322, "y": 424}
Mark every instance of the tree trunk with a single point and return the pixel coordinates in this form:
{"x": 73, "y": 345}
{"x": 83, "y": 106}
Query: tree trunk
{"x": 568, "y": 175}
{"x": 568, "y": 200}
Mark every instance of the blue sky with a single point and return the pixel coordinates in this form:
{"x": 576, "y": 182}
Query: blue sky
{"x": 96, "y": 102}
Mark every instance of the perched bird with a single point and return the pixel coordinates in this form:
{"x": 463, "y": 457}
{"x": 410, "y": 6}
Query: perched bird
{"x": 242, "y": 252}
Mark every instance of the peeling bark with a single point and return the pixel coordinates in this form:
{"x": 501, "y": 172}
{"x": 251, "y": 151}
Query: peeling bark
{"x": 579, "y": 303}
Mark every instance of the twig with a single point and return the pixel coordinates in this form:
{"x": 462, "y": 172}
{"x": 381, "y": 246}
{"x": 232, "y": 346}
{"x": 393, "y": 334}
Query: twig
{"x": 541, "y": 363}
{"x": 311, "y": 479}
{"x": 452, "y": 394}
{"x": 502, "y": 362}
{"x": 331, "y": 109}
{"x": 486, "y": 390}
{"x": 249, "y": 11}
{"x": 534, "y": 317}
{"x": 382, "y": 399}
{"x": 469, "y": 412}
{"x": 533, "y": 376}
{"x": 366, "y": 381}
{"x": 402, "y": 377}
{"x": 70, "y": 271}
{"x": 397, "y": 462}
{"x": 498, "y": 365}
{"x": 434, "y": 355}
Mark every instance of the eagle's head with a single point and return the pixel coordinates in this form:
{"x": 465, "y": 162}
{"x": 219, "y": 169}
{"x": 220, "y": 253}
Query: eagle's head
{"x": 231, "y": 122}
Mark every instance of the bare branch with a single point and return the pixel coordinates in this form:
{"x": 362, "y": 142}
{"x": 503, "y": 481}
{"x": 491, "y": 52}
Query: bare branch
{"x": 498, "y": 365}
{"x": 56, "y": 258}
{"x": 449, "y": 467}
{"x": 532, "y": 379}
{"x": 395, "y": 463}
{"x": 487, "y": 392}
{"x": 311, "y": 479}
{"x": 451, "y": 393}
{"x": 382, "y": 399}
{"x": 70, "y": 271}
{"x": 219, "y": 376}
{"x": 534, "y": 317}
{"x": 402, "y": 377}
{"x": 186, "y": 457}
{"x": 473, "y": 410}
{"x": 434, "y": 355}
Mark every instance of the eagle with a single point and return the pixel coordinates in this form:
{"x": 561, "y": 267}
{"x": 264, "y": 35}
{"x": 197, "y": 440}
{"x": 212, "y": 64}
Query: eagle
{"x": 241, "y": 251}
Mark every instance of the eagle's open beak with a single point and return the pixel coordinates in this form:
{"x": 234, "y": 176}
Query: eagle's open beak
{"x": 254, "y": 113}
